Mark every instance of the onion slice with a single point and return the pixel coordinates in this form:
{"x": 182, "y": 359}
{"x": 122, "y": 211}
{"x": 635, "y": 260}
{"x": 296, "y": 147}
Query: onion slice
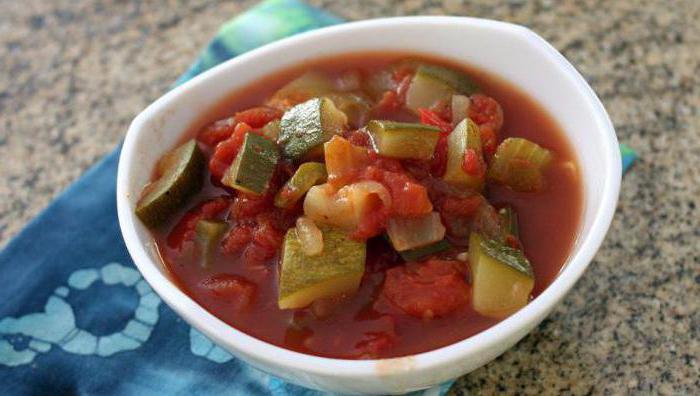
{"x": 310, "y": 236}
{"x": 411, "y": 232}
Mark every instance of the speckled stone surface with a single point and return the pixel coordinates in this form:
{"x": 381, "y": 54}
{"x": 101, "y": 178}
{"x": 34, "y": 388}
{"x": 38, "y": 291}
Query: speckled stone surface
{"x": 73, "y": 73}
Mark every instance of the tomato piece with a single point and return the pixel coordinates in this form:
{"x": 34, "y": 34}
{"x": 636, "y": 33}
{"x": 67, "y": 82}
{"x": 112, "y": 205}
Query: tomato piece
{"x": 226, "y": 151}
{"x": 430, "y": 117}
{"x": 184, "y": 230}
{"x": 236, "y": 290}
{"x": 373, "y": 222}
{"x": 453, "y": 206}
{"x": 359, "y": 137}
{"x": 402, "y": 89}
{"x": 473, "y": 163}
{"x": 257, "y": 117}
{"x": 485, "y": 111}
{"x": 237, "y": 238}
{"x": 433, "y": 288}
{"x": 388, "y": 103}
{"x": 408, "y": 197}
{"x": 439, "y": 163}
{"x": 249, "y": 205}
{"x": 489, "y": 140}
{"x": 217, "y": 132}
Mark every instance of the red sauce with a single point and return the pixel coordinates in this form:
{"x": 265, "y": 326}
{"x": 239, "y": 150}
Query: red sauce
{"x": 240, "y": 287}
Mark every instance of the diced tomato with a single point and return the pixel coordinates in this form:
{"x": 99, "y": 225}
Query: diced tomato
{"x": 512, "y": 241}
{"x": 485, "y": 111}
{"x": 249, "y": 205}
{"x": 402, "y": 71}
{"x": 236, "y": 290}
{"x": 256, "y": 254}
{"x": 372, "y": 344}
{"x": 267, "y": 233}
{"x": 388, "y": 103}
{"x": 257, "y": 117}
{"x": 237, "y": 238}
{"x": 426, "y": 290}
{"x": 184, "y": 230}
{"x": 430, "y": 117}
{"x": 373, "y": 221}
{"x": 217, "y": 132}
{"x": 453, "y": 206}
{"x": 489, "y": 140}
{"x": 359, "y": 137}
{"x": 408, "y": 197}
{"x": 473, "y": 163}
{"x": 226, "y": 151}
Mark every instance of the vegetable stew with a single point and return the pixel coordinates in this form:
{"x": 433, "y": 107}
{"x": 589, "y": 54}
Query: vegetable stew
{"x": 369, "y": 206}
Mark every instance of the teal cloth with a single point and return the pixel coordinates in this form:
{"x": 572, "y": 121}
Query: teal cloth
{"x": 77, "y": 318}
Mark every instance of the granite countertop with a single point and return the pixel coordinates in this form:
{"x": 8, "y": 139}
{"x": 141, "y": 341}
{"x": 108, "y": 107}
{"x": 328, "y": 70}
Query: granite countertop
{"x": 74, "y": 73}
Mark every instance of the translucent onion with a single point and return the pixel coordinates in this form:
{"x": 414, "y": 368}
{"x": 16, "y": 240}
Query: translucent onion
{"x": 344, "y": 208}
{"x": 411, "y": 232}
{"x": 460, "y": 108}
{"x": 310, "y": 236}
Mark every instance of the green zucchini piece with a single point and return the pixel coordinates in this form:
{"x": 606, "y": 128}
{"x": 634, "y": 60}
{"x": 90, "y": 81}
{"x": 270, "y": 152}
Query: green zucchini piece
{"x": 181, "y": 176}
{"x": 308, "y": 85}
{"x": 307, "y": 175}
{"x": 337, "y": 270}
{"x": 254, "y": 165}
{"x": 422, "y": 252}
{"x": 403, "y": 140}
{"x": 465, "y": 136}
{"x": 509, "y": 222}
{"x": 519, "y": 164}
{"x": 208, "y": 234}
{"x": 355, "y": 107}
{"x": 308, "y": 125}
{"x": 433, "y": 84}
{"x": 502, "y": 278}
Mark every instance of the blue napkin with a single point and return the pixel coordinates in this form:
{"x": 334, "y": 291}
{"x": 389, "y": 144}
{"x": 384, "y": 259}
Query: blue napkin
{"x": 77, "y": 318}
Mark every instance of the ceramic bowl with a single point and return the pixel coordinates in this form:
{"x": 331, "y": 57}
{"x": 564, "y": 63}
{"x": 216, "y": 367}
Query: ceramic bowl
{"x": 512, "y": 52}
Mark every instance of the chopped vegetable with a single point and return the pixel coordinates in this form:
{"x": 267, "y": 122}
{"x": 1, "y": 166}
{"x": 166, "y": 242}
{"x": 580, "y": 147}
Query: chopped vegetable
{"x": 460, "y": 108}
{"x": 208, "y": 234}
{"x": 519, "y": 163}
{"x": 463, "y": 141}
{"x": 403, "y": 140}
{"x": 423, "y": 252}
{"x": 307, "y": 175}
{"x": 355, "y": 107}
{"x": 345, "y": 208}
{"x": 343, "y": 160}
{"x": 412, "y": 232}
{"x": 310, "y": 236}
{"x": 254, "y": 165}
{"x": 433, "y": 84}
{"x": 308, "y": 85}
{"x": 180, "y": 178}
{"x": 336, "y": 271}
{"x": 271, "y": 130}
{"x": 308, "y": 125}
{"x": 502, "y": 277}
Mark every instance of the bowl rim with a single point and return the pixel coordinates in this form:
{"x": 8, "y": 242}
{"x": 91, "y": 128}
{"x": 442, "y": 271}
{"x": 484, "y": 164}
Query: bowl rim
{"x": 272, "y": 355}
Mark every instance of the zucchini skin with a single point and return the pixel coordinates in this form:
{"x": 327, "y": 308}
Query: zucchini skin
{"x": 182, "y": 179}
{"x": 254, "y": 165}
{"x": 403, "y": 140}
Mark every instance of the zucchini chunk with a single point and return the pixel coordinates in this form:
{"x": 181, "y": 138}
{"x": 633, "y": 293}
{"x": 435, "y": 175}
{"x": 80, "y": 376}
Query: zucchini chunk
{"x": 406, "y": 233}
{"x": 502, "y": 277}
{"x": 335, "y": 271}
{"x": 465, "y": 136}
{"x": 433, "y": 84}
{"x": 308, "y": 85}
{"x": 254, "y": 165}
{"x": 180, "y": 178}
{"x": 403, "y": 140}
{"x": 208, "y": 235}
{"x": 519, "y": 163}
{"x": 307, "y": 175}
{"x": 308, "y": 125}
{"x": 271, "y": 130}
{"x": 422, "y": 252}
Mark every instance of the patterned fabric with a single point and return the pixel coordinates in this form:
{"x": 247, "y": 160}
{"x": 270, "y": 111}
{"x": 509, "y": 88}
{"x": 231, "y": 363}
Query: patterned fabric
{"x": 77, "y": 318}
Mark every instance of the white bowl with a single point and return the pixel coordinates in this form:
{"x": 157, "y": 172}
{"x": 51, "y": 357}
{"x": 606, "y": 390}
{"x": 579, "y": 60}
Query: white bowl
{"x": 512, "y": 52}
